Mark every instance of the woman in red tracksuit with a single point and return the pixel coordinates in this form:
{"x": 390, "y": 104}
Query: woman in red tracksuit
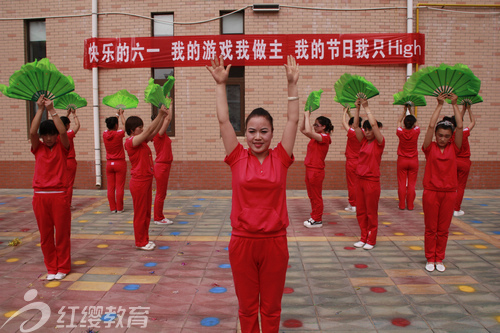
{"x": 258, "y": 250}
{"x": 407, "y": 164}
{"x": 163, "y": 162}
{"x": 71, "y": 161}
{"x": 141, "y": 182}
{"x": 319, "y": 133}
{"x": 50, "y": 202}
{"x": 440, "y": 182}
{"x": 463, "y": 161}
{"x": 351, "y": 160}
{"x": 116, "y": 166}
{"x": 368, "y": 171}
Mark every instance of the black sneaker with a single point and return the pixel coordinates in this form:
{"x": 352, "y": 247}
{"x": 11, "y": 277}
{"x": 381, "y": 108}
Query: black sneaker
{"x": 313, "y": 224}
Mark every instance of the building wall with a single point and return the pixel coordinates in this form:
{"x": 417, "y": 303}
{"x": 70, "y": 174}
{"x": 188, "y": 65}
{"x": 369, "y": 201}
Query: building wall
{"x": 467, "y": 35}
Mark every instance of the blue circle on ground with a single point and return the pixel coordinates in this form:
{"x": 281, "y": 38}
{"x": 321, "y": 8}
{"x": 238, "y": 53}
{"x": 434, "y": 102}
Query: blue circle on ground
{"x": 163, "y": 247}
{"x": 467, "y": 198}
{"x": 225, "y": 266}
{"x": 183, "y": 222}
{"x": 109, "y": 316}
{"x": 209, "y": 321}
{"x": 201, "y": 199}
{"x": 476, "y": 221}
{"x": 484, "y": 205}
{"x": 226, "y": 248}
{"x": 218, "y": 290}
{"x": 150, "y": 264}
{"x": 132, "y": 286}
{"x": 2, "y": 203}
{"x": 496, "y": 232}
{"x": 20, "y": 197}
{"x": 175, "y": 233}
{"x": 196, "y": 205}
{"x": 190, "y": 213}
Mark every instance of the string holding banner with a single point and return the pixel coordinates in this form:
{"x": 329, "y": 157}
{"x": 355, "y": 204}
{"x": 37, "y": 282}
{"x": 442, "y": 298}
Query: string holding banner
{"x": 255, "y": 50}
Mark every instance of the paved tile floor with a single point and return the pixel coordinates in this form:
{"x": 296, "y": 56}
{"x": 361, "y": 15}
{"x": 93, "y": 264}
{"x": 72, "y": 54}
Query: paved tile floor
{"x": 185, "y": 285}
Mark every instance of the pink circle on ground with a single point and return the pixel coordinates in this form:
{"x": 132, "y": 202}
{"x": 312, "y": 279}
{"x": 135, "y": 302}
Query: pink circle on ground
{"x": 361, "y": 266}
{"x": 292, "y": 323}
{"x": 25, "y": 229}
{"x": 288, "y": 290}
{"x": 349, "y": 248}
{"x": 401, "y": 322}
{"x": 288, "y": 266}
{"x": 340, "y": 234}
{"x": 378, "y": 290}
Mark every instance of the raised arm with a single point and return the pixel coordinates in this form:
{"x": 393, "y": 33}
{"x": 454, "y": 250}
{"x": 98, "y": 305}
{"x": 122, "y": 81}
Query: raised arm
{"x": 308, "y": 130}
{"x": 121, "y": 119}
{"x": 152, "y": 129}
{"x": 290, "y": 132}
{"x": 356, "y": 124}
{"x": 471, "y": 118}
{"x": 220, "y": 75}
{"x": 432, "y": 123}
{"x": 76, "y": 121}
{"x": 35, "y": 123}
{"x": 63, "y": 135}
{"x": 459, "y": 131}
{"x": 166, "y": 122}
{"x": 158, "y": 127}
{"x": 345, "y": 121}
{"x": 373, "y": 122}
{"x": 402, "y": 116}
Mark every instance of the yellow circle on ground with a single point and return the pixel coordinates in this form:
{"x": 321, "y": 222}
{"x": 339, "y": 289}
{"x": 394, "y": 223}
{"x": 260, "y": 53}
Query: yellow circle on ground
{"x": 38, "y": 244}
{"x": 457, "y": 233}
{"x": 119, "y": 232}
{"x": 130, "y": 222}
{"x": 421, "y": 213}
{"x": 478, "y": 246}
{"x": 12, "y": 260}
{"x": 386, "y": 223}
{"x": 497, "y": 318}
{"x": 102, "y": 246}
{"x": 98, "y": 212}
{"x": 9, "y": 314}
{"x": 83, "y": 221}
{"x": 467, "y": 289}
{"x": 416, "y": 248}
{"x": 52, "y": 284}
{"x": 399, "y": 233}
{"x": 80, "y": 262}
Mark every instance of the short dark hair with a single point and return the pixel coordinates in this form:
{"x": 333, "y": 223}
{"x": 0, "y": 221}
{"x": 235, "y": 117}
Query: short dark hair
{"x": 132, "y": 123}
{"x": 444, "y": 124}
{"x": 65, "y": 120}
{"x": 409, "y": 121}
{"x": 324, "y": 121}
{"x": 351, "y": 120}
{"x": 368, "y": 126}
{"x": 260, "y": 112}
{"x": 47, "y": 127}
{"x": 111, "y": 122}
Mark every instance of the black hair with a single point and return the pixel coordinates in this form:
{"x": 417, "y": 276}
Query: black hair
{"x": 132, "y": 123}
{"x": 351, "y": 120}
{"x": 324, "y": 121}
{"x": 368, "y": 126}
{"x": 445, "y": 124}
{"x": 409, "y": 121}
{"x": 47, "y": 127}
{"x": 260, "y": 112}
{"x": 65, "y": 120}
{"x": 452, "y": 120}
{"x": 111, "y": 122}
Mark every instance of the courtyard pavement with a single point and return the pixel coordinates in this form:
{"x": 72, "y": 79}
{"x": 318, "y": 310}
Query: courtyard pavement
{"x": 185, "y": 284}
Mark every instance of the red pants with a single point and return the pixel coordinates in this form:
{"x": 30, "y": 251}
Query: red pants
{"x": 116, "y": 173}
{"x": 314, "y": 185}
{"x": 142, "y": 197}
{"x": 407, "y": 169}
{"x": 70, "y": 177}
{"x": 162, "y": 172}
{"x": 259, "y": 270}
{"x": 52, "y": 212}
{"x": 438, "y": 212}
{"x": 367, "y": 198}
{"x": 352, "y": 179}
{"x": 463, "y": 169}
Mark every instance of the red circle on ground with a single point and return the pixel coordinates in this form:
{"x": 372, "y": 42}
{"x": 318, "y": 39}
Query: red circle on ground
{"x": 361, "y": 266}
{"x": 332, "y": 223}
{"x": 288, "y": 266}
{"x": 378, "y": 290}
{"x": 401, "y": 322}
{"x": 25, "y": 229}
{"x": 340, "y": 234}
{"x": 288, "y": 290}
{"x": 292, "y": 323}
{"x": 349, "y": 248}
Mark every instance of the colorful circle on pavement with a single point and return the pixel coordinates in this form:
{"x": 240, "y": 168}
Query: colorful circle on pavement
{"x": 98, "y": 212}
{"x": 340, "y": 234}
{"x": 201, "y": 199}
{"x": 386, "y": 223}
{"x": 361, "y": 266}
{"x": 190, "y": 213}
{"x": 479, "y": 246}
{"x": 52, "y": 284}
{"x": 288, "y": 290}
{"x": 150, "y": 264}
{"x": 484, "y": 205}
{"x": 209, "y": 321}
{"x": 109, "y": 317}
{"x": 350, "y": 248}
{"x": 497, "y": 318}
{"x": 378, "y": 290}
{"x": 175, "y": 233}
{"x": 119, "y": 232}
{"x": 165, "y": 247}
{"x": 457, "y": 233}
{"x": 196, "y": 205}
{"x": 132, "y": 286}
{"x": 12, "y": 260}
{"x": 476, "y": 221}
{"x": 130, "y": 222}
{"x": 83, "y": 221}
{"x": 399, "y": 233}
{"x": 466, "y": 289}
{"x": 80, "y": 262}
{"x": 292, "y": 323}
{"x": 400, "y": 322}
{"x": 416, "y": 248}
{"x": 226, "y": 248}
{"x": 218, "y": 290}
{"x": 224, "y": 266}
{"x": 496, "y": 232}
{"x": 183, "y": 222}
{"x": 102, "y": 246}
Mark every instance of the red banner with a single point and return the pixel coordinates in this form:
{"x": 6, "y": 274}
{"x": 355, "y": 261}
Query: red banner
{"x": 255, "y": 50}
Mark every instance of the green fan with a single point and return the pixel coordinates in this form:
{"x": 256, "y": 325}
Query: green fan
{"x": 349, "y": 88}
{"x": 167, "y": 87}
{"x": 38, "y": 78}
{"x": 349, "y": 105}
{"x": 432, "y": 81}
{"x": 404, "y": 98}
{"x": 155, "y": 94}
{"x": 121, "y": 100}
{"x": 313, "y": 100}
{"x": 70, "y": 101}
{"x": 468, "y": 100}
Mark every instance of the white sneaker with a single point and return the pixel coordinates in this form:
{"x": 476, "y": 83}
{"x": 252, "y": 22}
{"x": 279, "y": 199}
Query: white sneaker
{"x": 60, "y": 276}
{"x": 458, "y": 213}
{"x": 348, "y": 208}
{"x": 147, "y": 247}
{"x": 120, "y": 211}
{"x": 152, "y": 243}
{"x": 440, "y": 267}
{"x": 164, "y": 221}
{"x": 50, "y": 277}
{"x": 368, "y": 246}
{"x": 353, "y": 209}
{"x": 113, "y": 212}
{"x": 359, "y": 244}
{"x": 313, "y": 224}
{"x": 429, "y": 267}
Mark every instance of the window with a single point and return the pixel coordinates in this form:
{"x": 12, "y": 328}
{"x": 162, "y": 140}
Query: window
{"x": 162, "y": 27}
{"x": 233, "y": 24}
{"x": 35, "y": 50}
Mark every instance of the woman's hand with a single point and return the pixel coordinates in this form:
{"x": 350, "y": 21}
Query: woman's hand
{"x": 41, "y": 102}
{"x": 453, "y": 98}
{"x": 292, "y": 70}
{"x": 441, "y": 97}
{"x": 219, "y": 73}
